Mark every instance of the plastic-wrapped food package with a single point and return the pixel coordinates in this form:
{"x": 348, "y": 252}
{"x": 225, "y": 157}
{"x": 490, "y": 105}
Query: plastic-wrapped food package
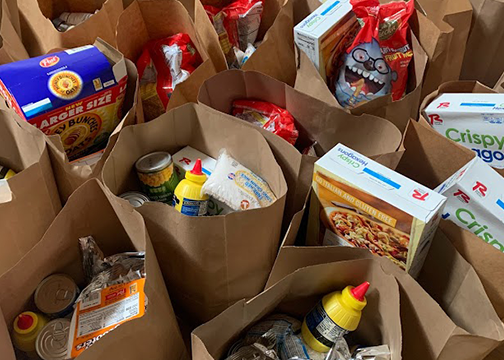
{"x": 163, "y": 64}
{"x": 376, "y": 64}
{"x": 237, "y": 24}
{"x": 268, "y": 116}
{"x": 236, "y": 186}
{"x": 114, "y": 295}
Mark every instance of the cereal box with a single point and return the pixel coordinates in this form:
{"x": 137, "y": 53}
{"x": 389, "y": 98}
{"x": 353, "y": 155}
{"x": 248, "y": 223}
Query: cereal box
{"x": 326, "y": 33}
{"x": 475, "y": 202}
{"x": 359, "y": 203}
{"x": 475, "y": 121}
{"x": 76, "y": 93}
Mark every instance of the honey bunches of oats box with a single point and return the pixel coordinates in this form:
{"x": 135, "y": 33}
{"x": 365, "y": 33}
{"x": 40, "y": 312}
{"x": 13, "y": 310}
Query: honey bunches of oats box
{"x": 76, "y": 94}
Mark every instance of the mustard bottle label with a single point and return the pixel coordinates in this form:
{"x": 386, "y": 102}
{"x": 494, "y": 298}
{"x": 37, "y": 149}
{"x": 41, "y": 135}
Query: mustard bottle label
{"x": 322, "y": 327}
{"x": 192, "y": 207}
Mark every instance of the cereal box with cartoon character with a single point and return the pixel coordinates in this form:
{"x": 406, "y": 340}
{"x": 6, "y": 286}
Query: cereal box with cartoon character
{"x": 76, "y": 94}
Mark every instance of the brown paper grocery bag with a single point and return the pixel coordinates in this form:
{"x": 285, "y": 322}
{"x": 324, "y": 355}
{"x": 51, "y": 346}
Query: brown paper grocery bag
{"x": 484, "y": 46}
{"x": 31, "y": 199}
{"x": 315, "y": 121}
{"x": 499, "y": 85}
{"x": 442, "y": 27}
{"x": 11, "y": 45}
{"x": 429, "y": 330}
{"x": 117, "y": 228}
{"x": 40, "y": 36}
{"x": 297, "y": 293}
{"x": 146, "y": 20}
{"x": 399, "y": 112}
{"x": 70, "y": 175}
{"x": 461, "y": 155}
{"x": 209, "y": 262}
{"x": 431, "y": 159}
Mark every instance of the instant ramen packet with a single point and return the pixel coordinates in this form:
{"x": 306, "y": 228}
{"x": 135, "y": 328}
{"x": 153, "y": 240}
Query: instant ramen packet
{"x": 236, "y": 24}
{"x": 114, "y": 295}
{"x": 268, "y": 116}
{"x": 163, "y": 64}
{"x": 236, "y": 186}
{"x": 376, "y": 64}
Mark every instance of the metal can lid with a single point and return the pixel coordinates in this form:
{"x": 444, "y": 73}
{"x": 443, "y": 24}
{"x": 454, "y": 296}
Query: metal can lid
{"x": 55, "y": 294}
{"x": 52, "y": 340}
{"x": 153, "y": 162}
{"x": 135, "y": 198}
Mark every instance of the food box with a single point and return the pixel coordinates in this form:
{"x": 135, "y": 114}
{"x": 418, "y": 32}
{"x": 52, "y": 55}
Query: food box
{"x": 359, "y": 203}
{"x": 475, "y": 121}
{"x": 185, "y": 159}
{"x": 77, "y": 94}
{"x": 326, "y": 33}
{"x": 475, "y": 202}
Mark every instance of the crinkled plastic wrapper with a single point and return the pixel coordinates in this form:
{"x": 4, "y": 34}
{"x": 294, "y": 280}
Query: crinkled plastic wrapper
{"x": 236, "y": 24}
{"x": 236, "y": 186}
{"x": 114, "y": 295}
{"x": 268, "y": 116}
{"x": 376, "y": 64}
{"x": 163, "y": 64}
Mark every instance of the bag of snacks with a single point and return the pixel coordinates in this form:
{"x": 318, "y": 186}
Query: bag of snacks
{"x": 237, "y": 24}
{"x": 163, "y": 64}
{"x": 376, "y": 64}
{"x": 268, "y": 116}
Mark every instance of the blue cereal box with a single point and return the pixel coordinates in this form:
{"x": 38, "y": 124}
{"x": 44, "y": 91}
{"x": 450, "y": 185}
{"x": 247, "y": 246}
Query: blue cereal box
{"x": 76, "y": 94}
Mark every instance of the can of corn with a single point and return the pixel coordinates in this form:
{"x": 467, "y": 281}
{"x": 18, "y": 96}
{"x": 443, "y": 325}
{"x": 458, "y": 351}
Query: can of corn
{"x": 155, "y": 171}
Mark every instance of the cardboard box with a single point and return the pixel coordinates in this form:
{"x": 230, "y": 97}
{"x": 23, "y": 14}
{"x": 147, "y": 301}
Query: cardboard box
{"x": 360, "y": 203}
{"x": 185, "y": 159}
{"x": 76, "y": 94}
{"x": 326, "y": 33}
{"x": 475, "y": 202}
{"x": 475, "y": 121}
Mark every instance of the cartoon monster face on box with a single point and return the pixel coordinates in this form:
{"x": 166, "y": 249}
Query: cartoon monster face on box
{"x": 363, "y": 76}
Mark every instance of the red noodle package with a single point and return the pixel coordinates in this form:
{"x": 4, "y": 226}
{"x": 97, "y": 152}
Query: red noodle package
{"x": 163, "y": 64}
{"x": 268, "y": 116}
{"x": 376, "y": 64}
{"x": 237, "y": 24}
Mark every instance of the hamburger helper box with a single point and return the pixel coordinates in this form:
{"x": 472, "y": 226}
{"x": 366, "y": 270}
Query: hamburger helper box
{"x": 475, "y": 202}
{"x": 76, "y": 94}
{"x": 357, "y": 202}
{"x": 185, "y": 159}
{"x": 475, "y": 121}
{"x": 326, "y": 33}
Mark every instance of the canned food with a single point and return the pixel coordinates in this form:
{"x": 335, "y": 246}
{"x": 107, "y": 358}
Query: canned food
{"x": 75, "y": 18}
{"x": 135, "y": 198}
{"x": 155, "y": 171}
{"x": 61, "y": 25}
{"x": 6, "y": 173}
{"x": 52, "y": 341}
{"x": 56, "y": 294}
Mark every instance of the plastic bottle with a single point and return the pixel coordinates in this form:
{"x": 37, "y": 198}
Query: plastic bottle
{"x": 27, "y": 326}
{"x": 188, "y": 198}
{"x": 335, "y": 316}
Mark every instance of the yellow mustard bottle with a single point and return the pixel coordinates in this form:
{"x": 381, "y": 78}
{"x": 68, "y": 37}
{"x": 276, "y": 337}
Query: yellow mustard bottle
{"x": 335, "y": 316}
{"x": 188, "y": 198}
{"x": 27, "y": 326}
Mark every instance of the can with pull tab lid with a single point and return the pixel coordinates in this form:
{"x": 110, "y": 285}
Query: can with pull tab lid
{"x": 56, "y": 295}
{"x": 52, "y": 341}
{"x": 135, "y": 198}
